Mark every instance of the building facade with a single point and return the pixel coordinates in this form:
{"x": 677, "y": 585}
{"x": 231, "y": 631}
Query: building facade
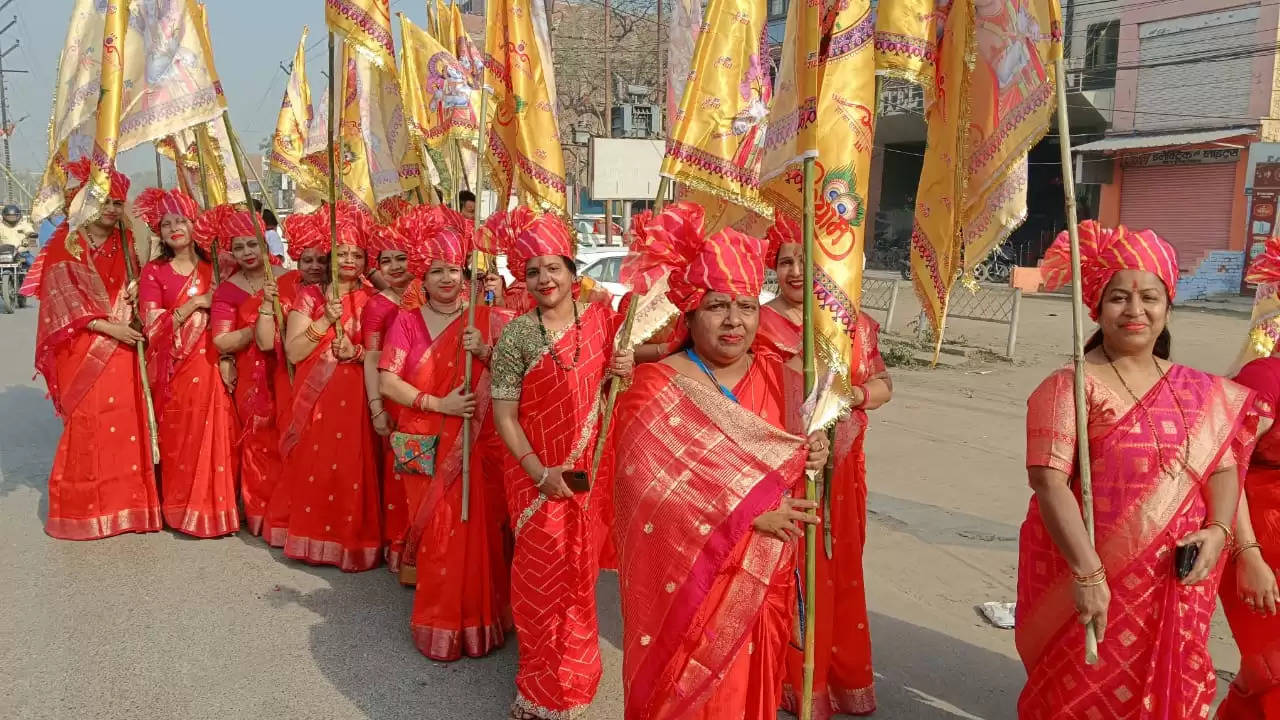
{"x": 1193, "y": 87}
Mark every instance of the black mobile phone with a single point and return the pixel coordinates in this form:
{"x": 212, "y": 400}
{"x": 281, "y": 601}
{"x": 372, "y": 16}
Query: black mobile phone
{"x": 1184, "y": 558}
{"x": 576, "y": 480}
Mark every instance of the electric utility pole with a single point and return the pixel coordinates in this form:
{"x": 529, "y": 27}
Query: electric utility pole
{"x": 4, "y": 103}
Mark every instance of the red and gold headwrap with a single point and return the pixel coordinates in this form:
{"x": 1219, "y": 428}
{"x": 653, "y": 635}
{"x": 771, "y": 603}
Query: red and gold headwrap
{"x": 434, "y": 232}
{"x": 80, "y": 169}
{"x": 673, "y": 242}
{"x": 1264, "y": 324}
{"x": 311, "y": 230}
{"x": 223, "y": 223}
{"x": 154, "y": 203}
{"x": 1105, "y": 252}
{"x": 523, "y": 234}
{"x": 783, "y": 231}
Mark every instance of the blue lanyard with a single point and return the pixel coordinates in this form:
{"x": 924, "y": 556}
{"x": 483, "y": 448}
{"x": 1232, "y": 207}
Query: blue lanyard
{"x": 698, "y": 361}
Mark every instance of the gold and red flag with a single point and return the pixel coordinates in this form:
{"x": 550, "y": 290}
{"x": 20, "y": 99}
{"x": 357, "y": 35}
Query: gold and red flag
{"x": 717, "y": 137}
{"x": 288, "y": 144}
{"x": 989, "y": 98}
{"x": 364, "y": 25}
{"x": 524, "y": 144}
{"x": 824, "y": 108}
{"x": 351, "y": 151}
{"x": 440, "y": 102}
{"x": 464, "y": 48}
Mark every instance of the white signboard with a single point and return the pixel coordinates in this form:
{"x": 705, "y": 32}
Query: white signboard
{"x": 625, "y": 168}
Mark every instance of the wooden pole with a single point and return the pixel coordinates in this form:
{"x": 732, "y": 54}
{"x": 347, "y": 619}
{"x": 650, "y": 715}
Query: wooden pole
{"x": 253, "y": 216}
{"x": 201, "y": 134}
{"x": 625, "y": 334}
{"x": 811, "y": 480}
{"x": 473, "y": 288}
{"x": 333, "y": 181}
{"x": 140, "y": 348}
{"x": 266, "y": 196}
{"x": 1077, "y": 337}
{"x": 159, "y": 173}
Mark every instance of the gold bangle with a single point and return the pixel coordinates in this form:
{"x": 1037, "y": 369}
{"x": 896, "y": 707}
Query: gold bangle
{"x": 1093, "y": 583}
{"x": 1100, "y": 572}
{"x": 1242, "y": 548}
{"x": 1230, "y": 536}
{"x": 312, "y": 335}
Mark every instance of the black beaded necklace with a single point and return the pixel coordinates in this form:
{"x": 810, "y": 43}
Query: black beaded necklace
{"x": 577, "y": 339}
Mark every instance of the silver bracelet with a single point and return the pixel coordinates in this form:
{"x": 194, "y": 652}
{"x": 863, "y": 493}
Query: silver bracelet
{"x": 546, "y": 473}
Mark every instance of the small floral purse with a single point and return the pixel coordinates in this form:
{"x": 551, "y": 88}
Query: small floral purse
{"x": 414, "y": 453}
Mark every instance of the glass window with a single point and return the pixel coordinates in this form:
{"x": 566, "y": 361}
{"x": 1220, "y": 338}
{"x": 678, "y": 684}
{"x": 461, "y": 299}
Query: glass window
{"x": 1102, "y": 49}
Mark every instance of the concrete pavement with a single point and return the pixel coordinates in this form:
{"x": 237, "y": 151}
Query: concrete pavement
{"x": 160, "y": 626}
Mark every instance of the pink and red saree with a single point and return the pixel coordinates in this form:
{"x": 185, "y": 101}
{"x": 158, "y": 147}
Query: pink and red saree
{"x": 1154, "y": 662}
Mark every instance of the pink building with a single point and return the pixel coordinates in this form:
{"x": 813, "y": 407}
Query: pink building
{"x": 1193, "y": 86}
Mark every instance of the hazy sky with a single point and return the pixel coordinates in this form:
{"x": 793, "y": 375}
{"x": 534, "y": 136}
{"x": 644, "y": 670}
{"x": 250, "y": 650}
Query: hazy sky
{"x": 250, "y": 40}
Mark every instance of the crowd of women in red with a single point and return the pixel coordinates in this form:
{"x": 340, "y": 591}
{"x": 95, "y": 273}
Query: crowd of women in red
{"x": 360, "y": 412}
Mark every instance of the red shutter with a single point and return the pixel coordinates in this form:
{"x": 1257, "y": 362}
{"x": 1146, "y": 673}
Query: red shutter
{"x": 1188, "y": 205}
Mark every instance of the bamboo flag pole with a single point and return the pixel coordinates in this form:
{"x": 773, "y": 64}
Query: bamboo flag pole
{"x": 202, "y": 137}
{"x": 140, "y": 348}
{"x": 159, "y": 173}
{"x": 481, "y": 141}
{"x": 624, "y": 333}
{"x": 811, "y": 479}
{"x": 262, "y": 187}
{"x": 1077, "y": 337}
{"x": 277, "y": 308}
{"x": 333, "y": 182}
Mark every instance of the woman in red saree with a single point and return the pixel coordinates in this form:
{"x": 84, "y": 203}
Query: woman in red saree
{"x": 548, "y": 369}
{"x": 843, "y": 680}
{"x": 311, "y": 253}
{"x": 1166, "y": 447}
{"x": 331, "y": 455}
{"x": 1249, "y": 591}
{"x": 460, "y": 607}
{"x": 241, "y": 320}
{"x": 102, "y": 482}
{"x": 706, "y": 522}
{"x": 194, "y": 412}
{"x": 389, "y": 250}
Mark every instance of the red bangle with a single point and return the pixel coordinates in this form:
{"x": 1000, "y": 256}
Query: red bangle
{"x": 420, "y": 402}
{"x": 865, "y": 395}
{"x": 520, "y": 462}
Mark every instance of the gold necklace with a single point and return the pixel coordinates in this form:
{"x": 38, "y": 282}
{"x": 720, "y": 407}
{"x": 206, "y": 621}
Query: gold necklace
{"x": 1151, "y": 425}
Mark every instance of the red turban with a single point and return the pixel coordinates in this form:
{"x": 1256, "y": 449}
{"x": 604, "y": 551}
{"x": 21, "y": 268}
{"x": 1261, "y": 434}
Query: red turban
{"x": 391, "y": 208}
{"x": 80, "y": 170}
{"x": 1103, "y": 253}
{"x": 729, "y": 261}
{"x": 223, "y": 223}
{"x": 311, "y": 231}
{"x": 523, "y": 234}
{"x": 783, "y": 231}
{"x": 434, "y": 232}
{"x": 154, "y": 203}
{"x": 1265, "y": 268}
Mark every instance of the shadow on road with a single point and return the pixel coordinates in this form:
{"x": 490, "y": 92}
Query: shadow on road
{"x": 29, "y": 434}
{"x": 911, "y": 682}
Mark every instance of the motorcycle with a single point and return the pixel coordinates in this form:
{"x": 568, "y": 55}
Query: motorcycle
{"x": 996, "y": 268}
{"x": 13, "y": 270}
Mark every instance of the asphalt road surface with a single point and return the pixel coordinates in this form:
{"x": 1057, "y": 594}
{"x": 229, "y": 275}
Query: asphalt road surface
{"x": 161, "y": 626}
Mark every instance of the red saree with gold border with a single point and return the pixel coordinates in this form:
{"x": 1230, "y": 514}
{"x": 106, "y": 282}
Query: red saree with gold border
{"x": 330, "y": 451}
{"x": 707, "y": 602}
{"x": 1255, "y": 692}
{"x": 379, "y": 318}
{"x": 234, "y": 308}
{"x": 843, "y": 679}
{"x": 556, "y": 556}
{"x": 102, "y": 482}
{"x": 1154, "y": 662}
{"x": 460, "y": 602}
{"x": 195, "y": 414}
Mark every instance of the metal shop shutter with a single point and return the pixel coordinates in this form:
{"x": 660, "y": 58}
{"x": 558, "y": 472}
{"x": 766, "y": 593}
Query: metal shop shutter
{"x": 1188, "y": 205}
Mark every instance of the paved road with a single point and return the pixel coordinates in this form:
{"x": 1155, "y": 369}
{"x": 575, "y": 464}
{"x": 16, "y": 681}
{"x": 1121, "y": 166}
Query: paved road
{"x": 160, "y": 626}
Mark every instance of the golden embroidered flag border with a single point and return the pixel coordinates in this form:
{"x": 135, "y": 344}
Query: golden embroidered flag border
{"x": 524, "y": 138}
{"x": 288, "y": 144}
{"x": 366, "y": 26}
{"x": 716, "y": 140}
{"x": 989, "y": 99}
{"x": 824, "y": 108}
